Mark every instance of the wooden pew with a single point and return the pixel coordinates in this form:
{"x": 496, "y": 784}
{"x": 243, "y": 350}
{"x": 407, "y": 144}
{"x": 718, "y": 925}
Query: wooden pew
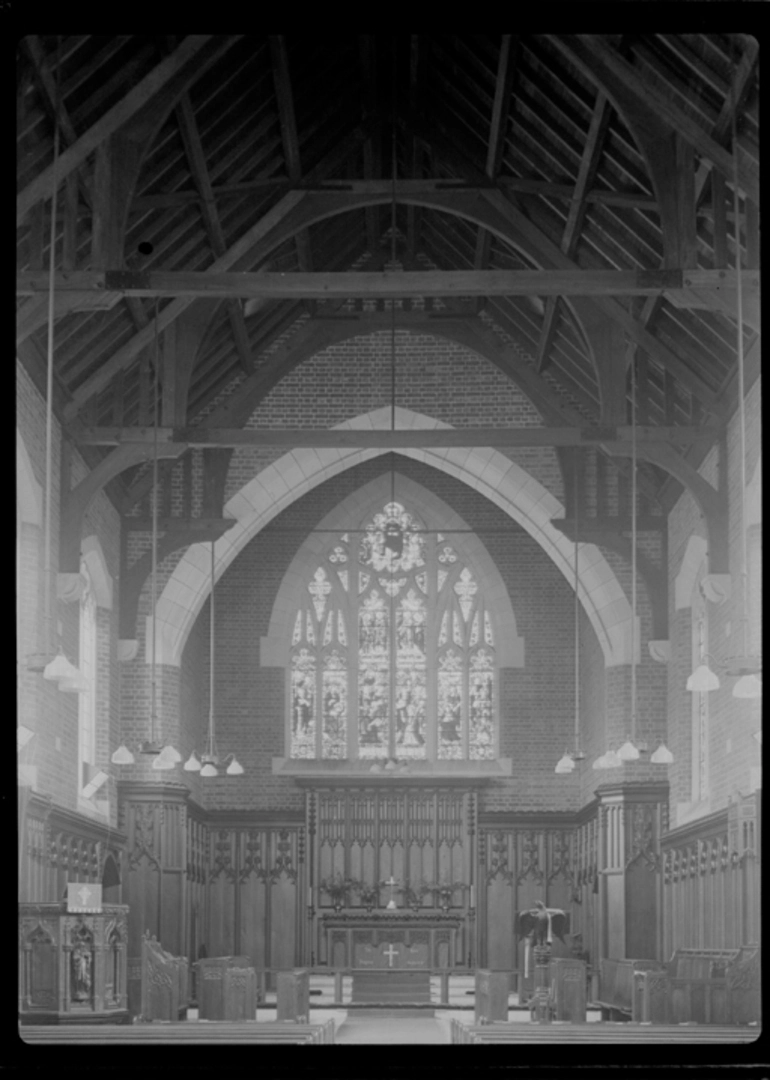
{"x": 617, "y": 987}
{"x": 705, "y": 986}
{"x": 202, "y": 1033}
{"x": 596, "y": 1033}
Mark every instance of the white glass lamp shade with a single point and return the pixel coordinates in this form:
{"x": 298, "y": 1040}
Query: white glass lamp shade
{"x": 600, "y": 762}
{"x": 192, "y": 764}
{"x": 748, "y": 686}
{"x": 122, "y": 756}
{"x": 209, "y": 770}
{"x": 613, "y": 760}
{"x": 23, "y": 735}
{"x": 662, "y": 756}
{"x": 167, "y": 758}
{"x": 76, "y": 684}
{"x": 702, "y": 680}
{"x": 565, "y": 764}
{"x": 628, "y": 752}
{"x": 60, "y": 668}
{"x": 235, "y": 768}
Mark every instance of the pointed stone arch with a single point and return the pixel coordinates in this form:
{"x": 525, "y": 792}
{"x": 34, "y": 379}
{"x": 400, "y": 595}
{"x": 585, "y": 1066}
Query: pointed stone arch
{"x": 506, "y": 484}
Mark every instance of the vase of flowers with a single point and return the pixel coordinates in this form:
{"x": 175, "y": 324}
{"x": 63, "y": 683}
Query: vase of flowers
{"x": 338, "y": 888}
{"x": 368, "y": 894}
{"x": 413, "y": 895}
{"x": 444, "y": 890}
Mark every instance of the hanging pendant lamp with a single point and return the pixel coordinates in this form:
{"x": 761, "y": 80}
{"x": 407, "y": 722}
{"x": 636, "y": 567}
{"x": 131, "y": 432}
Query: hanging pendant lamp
{"x": 208, "y": 763}
{"x": 52, "y": 661}
{"x": 164, "y": 757}
{"x": 568, "y": 761}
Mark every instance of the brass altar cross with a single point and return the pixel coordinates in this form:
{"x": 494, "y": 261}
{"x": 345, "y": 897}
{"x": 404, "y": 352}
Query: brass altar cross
{"x": 390, "y": 952}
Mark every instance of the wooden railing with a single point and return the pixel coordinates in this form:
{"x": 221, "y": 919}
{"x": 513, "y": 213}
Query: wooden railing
{"x": 267, "y": 980}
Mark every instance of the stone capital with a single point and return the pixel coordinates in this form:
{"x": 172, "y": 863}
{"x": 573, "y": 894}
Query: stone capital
{"x": 70, "y": 587}
{"x": 716, "y": 587}
{"x": 127, "y": 649}
{"x": 660, "y": 650}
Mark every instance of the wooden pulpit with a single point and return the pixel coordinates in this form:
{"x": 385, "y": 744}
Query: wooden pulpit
{"x": 72, "y": 965}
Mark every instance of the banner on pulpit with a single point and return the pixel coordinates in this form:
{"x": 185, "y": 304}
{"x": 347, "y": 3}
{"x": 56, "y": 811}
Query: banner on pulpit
{"x": 84, "y": 897}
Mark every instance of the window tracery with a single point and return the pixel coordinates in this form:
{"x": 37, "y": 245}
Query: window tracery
{"x": 402, "y": 665}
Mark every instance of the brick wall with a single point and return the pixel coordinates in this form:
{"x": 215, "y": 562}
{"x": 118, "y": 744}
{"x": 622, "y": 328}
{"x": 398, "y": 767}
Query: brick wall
{"x": 354, "y": 377}
{"x": 733, "y": 752}
{"x": 537, "y": 702}
{"x": 49, "y": 712}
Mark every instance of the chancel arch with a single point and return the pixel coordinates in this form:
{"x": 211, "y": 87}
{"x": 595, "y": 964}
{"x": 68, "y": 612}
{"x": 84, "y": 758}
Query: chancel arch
{"x": 492, "y": 474}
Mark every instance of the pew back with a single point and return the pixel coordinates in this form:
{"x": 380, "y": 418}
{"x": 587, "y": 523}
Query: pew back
{"x": 164, "y": 982}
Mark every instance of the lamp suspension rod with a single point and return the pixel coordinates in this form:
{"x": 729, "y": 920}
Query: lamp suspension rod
{"x": 393, "y": 634}
{"x": 741, "y": 386}
{"x": 154, "y": 572}
{"x": 48, "y": 569}
{"x": 211, "y": 657}
{"x": 633, "y": 548}
{"x": 578, "y": 463}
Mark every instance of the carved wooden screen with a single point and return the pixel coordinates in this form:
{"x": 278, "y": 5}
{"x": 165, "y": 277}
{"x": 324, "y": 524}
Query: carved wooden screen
{"x": 419, "y": 836}
{"x": 392, "y": 649}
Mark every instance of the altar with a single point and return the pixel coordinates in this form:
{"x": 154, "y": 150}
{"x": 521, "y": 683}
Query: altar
{"x": 390, "y": 940}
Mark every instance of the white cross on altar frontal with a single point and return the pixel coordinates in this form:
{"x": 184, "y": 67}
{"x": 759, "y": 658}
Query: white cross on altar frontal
{"x": 390, "y": 952}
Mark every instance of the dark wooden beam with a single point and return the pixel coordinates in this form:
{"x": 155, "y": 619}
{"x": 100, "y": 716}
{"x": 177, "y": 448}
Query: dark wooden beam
{"x": 713, "y": 287}
{"x": 617, "y": 78}
{"x": 285, "y": 98}
{"x": 185, "y": 57}
{"x": 200, "y": 173}
{"x": 207, "y": 436}
{"x": 589, "y": 163}
{"x": 126, "y": 354}
{"x": 53, "y": 98}
{"x": 506, "y": 67}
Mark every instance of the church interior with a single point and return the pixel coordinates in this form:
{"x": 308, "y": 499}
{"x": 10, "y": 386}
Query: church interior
{"x": 388, "y": 474}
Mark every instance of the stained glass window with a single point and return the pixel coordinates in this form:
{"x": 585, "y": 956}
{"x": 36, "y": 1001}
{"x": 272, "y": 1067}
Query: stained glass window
{"x": 394, "y": 655}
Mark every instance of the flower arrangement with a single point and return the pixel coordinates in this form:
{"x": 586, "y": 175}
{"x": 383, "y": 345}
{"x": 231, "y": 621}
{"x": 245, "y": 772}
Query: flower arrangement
{"x": 338, "y": 888}
{"x": 444, "y": 891}
{"x": 367, "y": 893}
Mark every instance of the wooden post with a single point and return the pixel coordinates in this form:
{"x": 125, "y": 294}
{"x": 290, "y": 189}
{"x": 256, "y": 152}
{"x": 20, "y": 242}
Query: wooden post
{"x": 541, "y": 1004}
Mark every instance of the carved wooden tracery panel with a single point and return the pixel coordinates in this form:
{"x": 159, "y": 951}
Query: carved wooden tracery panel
{"x": 420, "y": 836}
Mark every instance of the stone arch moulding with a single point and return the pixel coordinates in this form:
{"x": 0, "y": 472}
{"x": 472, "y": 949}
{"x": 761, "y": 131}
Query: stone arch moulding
{"x": 694, "y": 557}
{"x": 29, "y": 493}
{"x": 491, "y": 473}
{"x": 436, "y": 514}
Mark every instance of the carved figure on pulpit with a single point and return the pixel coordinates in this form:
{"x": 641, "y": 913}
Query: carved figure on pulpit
{"x": 81, "y": 973}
